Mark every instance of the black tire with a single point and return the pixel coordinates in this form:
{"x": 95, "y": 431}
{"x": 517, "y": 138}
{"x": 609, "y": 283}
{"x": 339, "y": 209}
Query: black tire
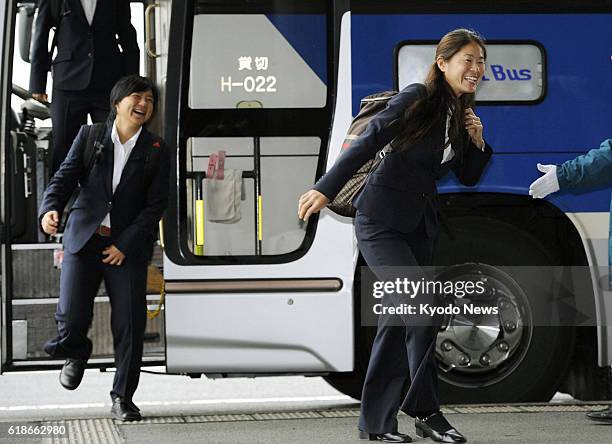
{"x": 548, "y": 352}
{"x": 538, "y": 367}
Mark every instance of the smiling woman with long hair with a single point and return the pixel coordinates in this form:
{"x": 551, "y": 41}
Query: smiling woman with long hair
{"x": 432, "y": 129}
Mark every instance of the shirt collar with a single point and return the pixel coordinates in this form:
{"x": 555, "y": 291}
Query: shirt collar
{"x": 129, "y": 144}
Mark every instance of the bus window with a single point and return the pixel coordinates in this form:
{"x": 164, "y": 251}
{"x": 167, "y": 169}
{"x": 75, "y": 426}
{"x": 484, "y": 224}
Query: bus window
{"x": 259, "y": 58}
{"x": 257, "y": 98}
{"x": 515, "y": 72}
{"x": 287, "y": 167}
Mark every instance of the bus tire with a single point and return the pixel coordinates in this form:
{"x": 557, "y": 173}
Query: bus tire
{"x": 540, "y": 363}
{"x": 544, "y": 359}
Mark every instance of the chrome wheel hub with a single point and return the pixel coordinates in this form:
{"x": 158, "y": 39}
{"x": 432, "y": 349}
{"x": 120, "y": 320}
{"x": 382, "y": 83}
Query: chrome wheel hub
{"x": 487, "y": 331}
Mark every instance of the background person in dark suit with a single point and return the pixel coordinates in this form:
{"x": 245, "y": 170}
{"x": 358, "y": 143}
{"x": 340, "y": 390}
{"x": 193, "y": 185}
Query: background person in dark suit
{"x": 109, "y": 235}
{"x": 433, "y": 129}
{"x": 87, "y": 65}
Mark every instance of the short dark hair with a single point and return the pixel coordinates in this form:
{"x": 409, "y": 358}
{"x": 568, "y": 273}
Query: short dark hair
{"x": 128, "y": 85}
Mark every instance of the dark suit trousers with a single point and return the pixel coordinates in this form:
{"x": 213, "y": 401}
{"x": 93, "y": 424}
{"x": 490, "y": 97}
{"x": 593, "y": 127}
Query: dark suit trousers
{"x": 69, "y": 110}
{"x": 401, "y": 352}
{"x": 126, "y": 286}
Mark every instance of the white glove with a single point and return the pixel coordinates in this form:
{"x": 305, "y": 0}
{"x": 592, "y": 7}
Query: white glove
{"x": 546, "y": 184}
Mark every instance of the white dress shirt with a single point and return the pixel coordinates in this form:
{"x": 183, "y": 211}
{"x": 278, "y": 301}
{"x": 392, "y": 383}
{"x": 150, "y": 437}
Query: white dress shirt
{"x": 449, "y": 153}
{"x": 89, "y": 6}
{"x": 121, "y": 154}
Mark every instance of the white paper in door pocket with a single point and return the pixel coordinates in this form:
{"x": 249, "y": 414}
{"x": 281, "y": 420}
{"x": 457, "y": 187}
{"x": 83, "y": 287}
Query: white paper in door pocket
{"x": 222, "y": 197}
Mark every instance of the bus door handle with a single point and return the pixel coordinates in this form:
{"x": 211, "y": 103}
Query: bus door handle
{"x": 149, "y": 35}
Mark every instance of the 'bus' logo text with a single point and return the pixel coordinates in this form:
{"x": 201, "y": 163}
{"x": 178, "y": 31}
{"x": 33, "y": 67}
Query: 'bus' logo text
{"x": 500, "y": 74}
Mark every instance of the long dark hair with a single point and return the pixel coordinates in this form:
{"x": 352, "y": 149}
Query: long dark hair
{"x": 427, "y": 112}
{"x": 128, "y": 85}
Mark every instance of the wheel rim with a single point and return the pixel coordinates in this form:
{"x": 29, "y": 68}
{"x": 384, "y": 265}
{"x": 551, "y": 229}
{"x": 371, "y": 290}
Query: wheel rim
{"x": 477, "y": 349}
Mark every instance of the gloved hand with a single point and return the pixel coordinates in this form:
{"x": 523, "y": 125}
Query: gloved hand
{"x": 546, "y": 184}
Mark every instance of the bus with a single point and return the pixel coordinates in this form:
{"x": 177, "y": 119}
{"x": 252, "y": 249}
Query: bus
{"x": 263, "y": 92}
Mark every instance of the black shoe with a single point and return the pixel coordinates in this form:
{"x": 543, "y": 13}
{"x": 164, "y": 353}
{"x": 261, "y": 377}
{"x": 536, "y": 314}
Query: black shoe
{"x": 72, "y": 373}
{"x": 601, "y": 415}
{"x": 385, "y": 437}
{"x": 125, "y": 410}
{"x": 436, "y": 427}
{"x": 133, "y": 406}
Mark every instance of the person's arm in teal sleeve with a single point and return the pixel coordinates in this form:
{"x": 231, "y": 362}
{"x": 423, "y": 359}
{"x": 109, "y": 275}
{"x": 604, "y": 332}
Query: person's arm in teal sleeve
{"x": 592, "y": 169}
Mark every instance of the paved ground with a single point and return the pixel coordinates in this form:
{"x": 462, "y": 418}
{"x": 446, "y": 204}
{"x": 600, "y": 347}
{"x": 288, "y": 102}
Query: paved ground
{"x": 541, "y": 428}
{"x": 540, "y": 424}
{"x": 263, "y": 410}
{"x": 38, "y": 395}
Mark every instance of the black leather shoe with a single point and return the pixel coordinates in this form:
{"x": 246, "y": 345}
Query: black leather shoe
{"x": 72, "y": 373}
{"x": 436, "y": 427}
{"x": 125, "y": 410}
{"x": 601, "y": 415}
{"x": 385, "y": 437}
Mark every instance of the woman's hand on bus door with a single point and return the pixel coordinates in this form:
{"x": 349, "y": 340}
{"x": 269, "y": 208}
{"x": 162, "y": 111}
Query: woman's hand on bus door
{"x": 473, "y": 125}
{"x": 50, "y": 221}
{"x": 311, "y": 202}
{"x": 545, "y": 185}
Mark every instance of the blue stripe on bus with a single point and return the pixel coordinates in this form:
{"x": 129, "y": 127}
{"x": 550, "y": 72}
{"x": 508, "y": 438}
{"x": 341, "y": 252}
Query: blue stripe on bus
{"x": 513, "y": 173}
{"x": 575, "y": 113}
{"x": 306, "y": 33}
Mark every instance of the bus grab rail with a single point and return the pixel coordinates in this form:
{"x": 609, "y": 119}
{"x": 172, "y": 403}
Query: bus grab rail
{"x": 254, "y": 174}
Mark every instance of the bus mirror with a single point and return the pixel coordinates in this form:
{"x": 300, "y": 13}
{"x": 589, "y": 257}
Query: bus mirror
{"x": 25, "y": 18}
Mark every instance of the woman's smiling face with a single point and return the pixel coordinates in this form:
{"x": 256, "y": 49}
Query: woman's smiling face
{"x": 136, "y": 108}
{"x": 464, "y": 70}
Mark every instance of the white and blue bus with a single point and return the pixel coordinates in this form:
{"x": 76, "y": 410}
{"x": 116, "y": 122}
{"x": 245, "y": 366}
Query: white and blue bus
{"x": 272, "y": 86}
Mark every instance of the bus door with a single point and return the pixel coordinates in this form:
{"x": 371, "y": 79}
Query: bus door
{"x": 31, "y": 261}
{"x": 249, "y": 102}
{"x": 5, "y": 27}
{"x": 28, "y": 275}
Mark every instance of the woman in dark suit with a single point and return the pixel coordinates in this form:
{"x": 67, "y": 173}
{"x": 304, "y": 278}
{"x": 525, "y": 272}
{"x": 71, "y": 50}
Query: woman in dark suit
{"x": 109, "y": 236}
{"x": 432, "y": 129}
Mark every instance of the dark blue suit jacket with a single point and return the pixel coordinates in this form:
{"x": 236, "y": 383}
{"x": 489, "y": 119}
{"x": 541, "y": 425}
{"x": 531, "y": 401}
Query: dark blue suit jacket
{"x": 86, "y": 55}
{"x": 135, "y": 207}
{"x": 402, "y": 190}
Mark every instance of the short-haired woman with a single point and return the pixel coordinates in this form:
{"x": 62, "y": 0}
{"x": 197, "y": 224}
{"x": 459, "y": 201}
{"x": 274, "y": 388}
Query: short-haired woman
{"x": 433, "y": 129}
{"x": 109, "y": 235}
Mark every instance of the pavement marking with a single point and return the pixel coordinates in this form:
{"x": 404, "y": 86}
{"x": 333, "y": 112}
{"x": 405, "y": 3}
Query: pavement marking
{"x": 347, "y": 413}
{"x": 525, "y": 408}
{"x": 218, "y": 418}
{"x": 286, "y": 415}
{"x": 87, "y": 431}
{"x": 82, "y": 406}
{"x": 501, "y": 408}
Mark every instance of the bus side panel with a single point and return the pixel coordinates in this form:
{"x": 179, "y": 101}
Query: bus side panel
{"x": 258, "y": 333}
